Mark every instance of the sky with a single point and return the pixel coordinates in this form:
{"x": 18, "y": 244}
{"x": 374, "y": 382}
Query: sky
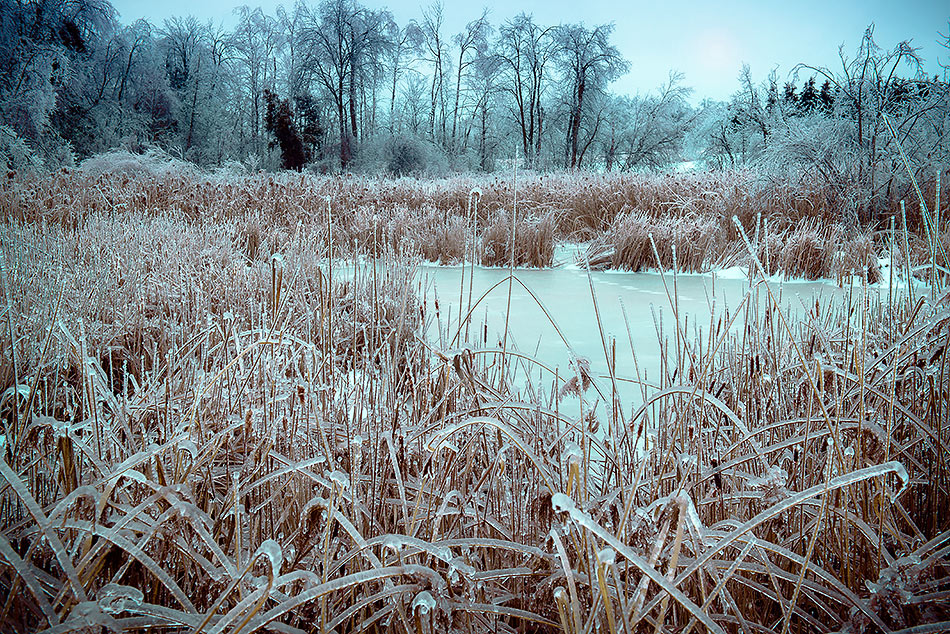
{"x": 706, "y": 41}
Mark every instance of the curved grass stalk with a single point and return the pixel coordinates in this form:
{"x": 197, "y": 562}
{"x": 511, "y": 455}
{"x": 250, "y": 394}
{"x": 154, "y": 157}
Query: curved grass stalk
{"x": 135, "y": 552}
{"x": 46, "y": 529}
{"x": 443, "y": 435}
{"x": 344, "y": 583}
{"x": 838, "y": 482}
{"x": 585, "y": 522}
{"x": 25, "y": 574}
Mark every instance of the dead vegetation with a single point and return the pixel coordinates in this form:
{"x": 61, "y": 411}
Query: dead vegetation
{"x": 212, "y": 422}
{"x": 615, "y": 213}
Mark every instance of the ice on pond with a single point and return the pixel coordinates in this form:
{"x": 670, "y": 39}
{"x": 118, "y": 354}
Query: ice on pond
{"x": 643, "y": 301}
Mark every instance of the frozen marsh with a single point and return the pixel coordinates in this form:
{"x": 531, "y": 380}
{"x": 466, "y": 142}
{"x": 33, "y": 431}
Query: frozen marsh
{"x": 218, "y": 421}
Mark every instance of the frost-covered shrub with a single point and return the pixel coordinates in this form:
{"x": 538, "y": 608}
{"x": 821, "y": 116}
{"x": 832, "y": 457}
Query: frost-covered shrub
{"x": 406, "y": 157}
{"x": 410, "y": 155}
{"x": 14, "y": 151}
{"x": 154, "y": 162}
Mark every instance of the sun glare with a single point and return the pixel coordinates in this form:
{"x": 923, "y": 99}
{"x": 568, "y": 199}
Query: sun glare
{"x": 717, "y": 50}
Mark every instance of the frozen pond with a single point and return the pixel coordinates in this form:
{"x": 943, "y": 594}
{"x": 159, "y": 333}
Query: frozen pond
{"x": 647, "y": 299}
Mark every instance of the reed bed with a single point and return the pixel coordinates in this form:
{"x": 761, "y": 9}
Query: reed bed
{"x": 533, "y": 240}
{"x": 695, "y": 244}
{"x": 435, "y": 217}
{"x": 691, "y": 244}
{"x": 209, "y": 431}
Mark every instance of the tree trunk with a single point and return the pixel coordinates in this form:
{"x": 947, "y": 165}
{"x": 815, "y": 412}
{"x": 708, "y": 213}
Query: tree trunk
{"x": 354, "y": 129}
{"x": 341, "y": 115}
{"x": 194, "y": 107}
{"x": 482, "y": 141}
{"x": 576, "y": 123}
{"x": 458, "y": 88}
{"x": 537, "y": 142}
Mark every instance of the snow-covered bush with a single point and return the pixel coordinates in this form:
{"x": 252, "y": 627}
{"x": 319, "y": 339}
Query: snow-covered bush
{"x": 153, "y": 163}
{"x": 15, "y": 153}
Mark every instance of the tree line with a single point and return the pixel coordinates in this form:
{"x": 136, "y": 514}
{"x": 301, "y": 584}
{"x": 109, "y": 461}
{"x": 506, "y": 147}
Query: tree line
{"x": 321, "y": 83}
{"x": 337, "y": 85}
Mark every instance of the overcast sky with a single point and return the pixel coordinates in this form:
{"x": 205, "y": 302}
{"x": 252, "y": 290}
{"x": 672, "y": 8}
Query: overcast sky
{"x": 707, "y": 41}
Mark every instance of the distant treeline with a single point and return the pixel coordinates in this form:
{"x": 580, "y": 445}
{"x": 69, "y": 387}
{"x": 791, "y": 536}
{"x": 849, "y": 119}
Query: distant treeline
{"x": 338, "y": 85}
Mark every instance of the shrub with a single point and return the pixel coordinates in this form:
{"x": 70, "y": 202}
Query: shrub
{"x": 15, "y": 153}
{"x": 411, "y": 156}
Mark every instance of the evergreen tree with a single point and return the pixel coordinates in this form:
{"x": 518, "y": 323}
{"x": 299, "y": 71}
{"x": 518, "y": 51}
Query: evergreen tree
{"x": 309, "y": 115}
{"x": 826, "y": 98}
{"x": 278, "y": 120}
{"x": 808, "y": 100}
{"x": 790, "y": 99}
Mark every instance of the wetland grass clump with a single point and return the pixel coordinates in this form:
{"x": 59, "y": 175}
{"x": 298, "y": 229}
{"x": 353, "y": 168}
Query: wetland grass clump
{"x": 696, "y": 241}
{"x": 533, "y": 241}
{"x": 808, "y": 251}
{"x": 292, "y": 453}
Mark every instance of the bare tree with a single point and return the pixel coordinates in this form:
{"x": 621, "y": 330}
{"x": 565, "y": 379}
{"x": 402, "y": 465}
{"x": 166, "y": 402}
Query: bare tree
{"x": 589, "y": 62}
{"x": 184, "y": 44}
{"x": 255, "y": 41}
{"x": 368, "y": 34}
{"x": 526, "y": 49}
{"x": 870, "y": 87}
{"x": 406, "y": 43}
{"x": 647, "y": 131}
{"x": 471, "y": 42}
{"x": 436, "y": 48}
{"x": 329, "y": 48}
{"x": 749, "y": 104}
{"x": 485, "y": 82}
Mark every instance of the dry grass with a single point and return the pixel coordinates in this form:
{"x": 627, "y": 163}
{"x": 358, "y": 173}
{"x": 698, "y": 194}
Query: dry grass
{"x": 533, "y": 241}
{"x": 856, "y": 258}
{"x": 431, "y": 217}
{"x": 808, "y": 251}
{"x": 692, "y": 243}
{"x": 211, "y": 438}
